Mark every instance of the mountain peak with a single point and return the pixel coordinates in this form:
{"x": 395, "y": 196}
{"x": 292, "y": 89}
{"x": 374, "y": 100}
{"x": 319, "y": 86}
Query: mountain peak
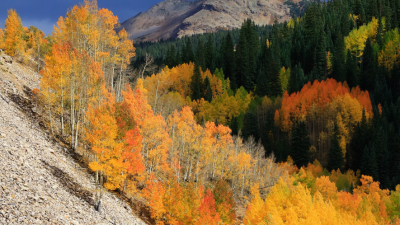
{"x": 179, "y": 18}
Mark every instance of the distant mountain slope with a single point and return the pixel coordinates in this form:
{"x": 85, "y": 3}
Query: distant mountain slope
{"x": 179, "y": 18}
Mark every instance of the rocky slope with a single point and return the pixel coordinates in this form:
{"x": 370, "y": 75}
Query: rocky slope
{"x": 40, "y": 182}
{"x": 178, "y": 18}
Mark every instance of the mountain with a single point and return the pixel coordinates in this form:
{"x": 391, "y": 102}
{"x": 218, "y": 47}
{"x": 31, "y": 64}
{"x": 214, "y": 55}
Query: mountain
{"x": 179, "y": 18}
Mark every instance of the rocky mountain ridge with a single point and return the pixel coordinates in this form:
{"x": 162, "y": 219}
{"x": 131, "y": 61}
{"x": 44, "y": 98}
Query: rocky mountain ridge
{"x": 179, "y": 18}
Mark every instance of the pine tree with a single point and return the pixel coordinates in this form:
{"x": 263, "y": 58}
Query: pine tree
{"x": 208, "y": 92}
{"x": 359, "y": 11}
{"x": 361, "y": 138}
{"x": 229, "y": 58}
{"x": 372, "y": 10}
{"x": 296, "y": 80}
{"x": 209, "y": 55}
{"x": 242, "y": 62}
{"x": 254, "y": 45}
{"x": 382, "y": 154}
{"x": 188, "y": 55}
{"x": 268, "y": 134}
{"x": 387, "y": 13}
{"x": 368, "y": 163}
{"x": 338, "y": 62}
{"x": 234, "y": 126}
{"x": 321, "y": 56}
{"x": 247, "y": 53}
{"x": 300, "y": 144}
{"x": 345, "y": 23}
{"x": 275, "y": 86}
{"x": 351, "y": 70}
{"x": 200, "y": 58}
{"x": 262, "y": 84}
{"x": 250, "y": 126}
{"x": 368, "y": 68}
{"x": 335, "y": 160}
{"x": 196, "y": 84}
{"x": 170, "y": 58}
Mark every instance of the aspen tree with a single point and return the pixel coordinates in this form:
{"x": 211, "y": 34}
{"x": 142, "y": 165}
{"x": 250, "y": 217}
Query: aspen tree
{"x": 14, "y": 45}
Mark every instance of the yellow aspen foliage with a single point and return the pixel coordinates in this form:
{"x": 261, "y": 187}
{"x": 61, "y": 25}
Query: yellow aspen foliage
{"x": 102, "y": 134}
{"x": 357, "y": 38}
{"x": 2, "y": 44}
{"x": 295, "y": 204}
{"x": 284, "y": 76}
{"x": 327, "y": 189}
{"x": 390, "y": 53}
{"x": 14, "y": 44}
{"x": 223, "y": 108}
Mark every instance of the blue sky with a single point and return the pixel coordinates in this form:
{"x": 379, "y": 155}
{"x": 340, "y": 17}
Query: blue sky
{"x": 45, "y": 13}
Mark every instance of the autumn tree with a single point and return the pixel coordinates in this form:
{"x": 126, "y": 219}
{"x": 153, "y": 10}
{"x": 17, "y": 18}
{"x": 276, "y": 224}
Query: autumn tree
{"x": 14, "y": 44}
{"x": 224, "y": 202}
{"x": 2, "y": 44}
{"x": 208, "y": 213}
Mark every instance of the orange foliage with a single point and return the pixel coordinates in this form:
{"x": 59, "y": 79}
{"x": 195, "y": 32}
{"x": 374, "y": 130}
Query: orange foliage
{"x": 154, "y": 193}
{"x": 207, "y": 211}
{"x": 297, "y": 105}
{"x": 152, "y": 128}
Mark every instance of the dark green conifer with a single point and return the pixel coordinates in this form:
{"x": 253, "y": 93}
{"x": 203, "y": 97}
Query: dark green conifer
{"x": 351, "y": 70}
{"x": 234, "y": 126}
{"x": 242, "y": 62}
{"x": 200, "y": 59}
{"x": 250, "y": 126}
{"x": 196, "y": 84}
{"x": 335, "y": 160}
{"x": 170, "y": 60}
{"x": 208, "y": 92}
{"x": 228, "y": 58}
{"x": 209, "y": 56}
{"x": 262, "y": 84}
{"x": 368, "y": 68}
{"x": 300, "y": 144}
{"x": 382, "y": 154}
{"x": 268, "y": 134}
{"x": 189, "y": 55}
{"x": 320, "y": 57}
{"x": 368, "y": 163}
{"x": 361, "y": 138}
{"x": 338, "y": 63}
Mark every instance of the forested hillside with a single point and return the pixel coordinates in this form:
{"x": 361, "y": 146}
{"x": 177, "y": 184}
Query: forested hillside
{"x": 295, "y": 123}
{"x": 337, "y": 64}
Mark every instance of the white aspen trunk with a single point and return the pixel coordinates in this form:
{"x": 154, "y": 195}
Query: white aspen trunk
{"x": 244, "y": 174}
{"x": 190, "y": 171}
{"x": 62, "y": 108}
{"x": 38, "y": 61}
{"x": 120, "y": 78}
{"x": 155, "y": 100}
{"x": 72, "y": 112}
{"x": 48, "y": 99}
